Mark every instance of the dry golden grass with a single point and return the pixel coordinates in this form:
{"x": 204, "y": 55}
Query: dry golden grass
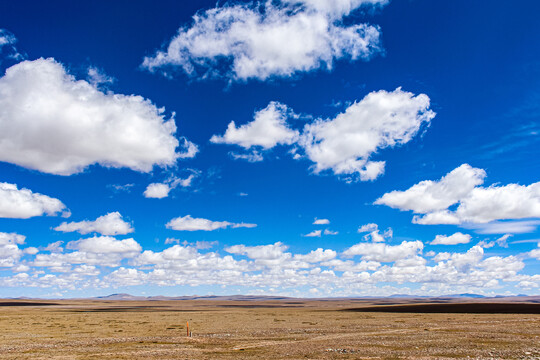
{"x": 257, "y": 330}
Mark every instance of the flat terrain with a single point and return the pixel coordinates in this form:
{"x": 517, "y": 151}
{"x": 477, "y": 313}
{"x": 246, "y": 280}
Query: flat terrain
{"x": 276, "y": 329}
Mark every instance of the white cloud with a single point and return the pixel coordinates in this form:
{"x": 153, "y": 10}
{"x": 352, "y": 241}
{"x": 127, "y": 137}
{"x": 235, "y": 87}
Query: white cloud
{"x": 428, "y": 196}
{"x": 252, "y": 157}
{"x": 502, "y": 242}
{"x": 277, "y": 39}
{"x": 110, "y": 224}
{"x": 7, "y": 46}
{"x": 381, "y": 120}
{"x": 188, "y": 223}
{"x": 11, "y": 238}
{"x": 56, "y": 124}
{"x": 476, "y": 204}
{"x": 454, "y": 239}
{"x": 385, "y": 253}
{"x": 260, "y": 252}
{"x": 318, "y": 255}
{"x": 97, "y": 77}
{"x": 106, "y": 245}
{"x": 162, "y": 190}
{"x": 502, "y": 227}
{"x": 321, "y": 222}
{"x": 268, "y": 129}
{"x": 368, "y": 228}
{"x": 330, "y": 232}
{"x": 314, "y": 233}
{"x": 24, "y": 204}
{"x": 157, "y": 191}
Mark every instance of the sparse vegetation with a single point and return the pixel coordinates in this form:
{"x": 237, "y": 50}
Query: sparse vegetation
{"x": 228, "y": 330}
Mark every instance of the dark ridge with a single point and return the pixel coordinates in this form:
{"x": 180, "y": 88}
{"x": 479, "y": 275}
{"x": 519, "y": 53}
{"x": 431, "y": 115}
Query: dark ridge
{"x": 25, "y": 303}
{"x": 464, "y": 308}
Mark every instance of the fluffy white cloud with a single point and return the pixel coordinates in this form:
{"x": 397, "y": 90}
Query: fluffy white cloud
{"x": 11, "y": 238}
{"x": 161, "y": 190}
{"x": 321, "y": 222}
{"x": 106, "y": 245}
{"x": 477, "y": 205}
{"x": 188, "y": 223}
{"x": 110, "y": 224}
{"x": 454, "y": 239}
{"x": 157, "y": 191}
{"x": 24, "y": 204}
{"x": 368, "y": 228}
{"x": 318, "y": 255}
{"x": 314, "y": 233}
{"x": 260, "y": 252}
{"x": 51, "y": 122}
{"x": 268, "y": 129}
{"x": 345, "y": 143}
{"x": 428, "y": 196}
{"x": 330, "y": 232}
{"x": 384, "y": 252}
{"x": 259, "y": 41}
{"x": 381, "y": 120}
{"x": 98, "y": 250}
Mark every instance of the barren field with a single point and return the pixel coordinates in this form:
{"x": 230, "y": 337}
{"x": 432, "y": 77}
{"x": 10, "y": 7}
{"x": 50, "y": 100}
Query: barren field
{"x": 278, "y": 329}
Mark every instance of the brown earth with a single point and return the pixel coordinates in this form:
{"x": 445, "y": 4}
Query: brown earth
{"x": 277, "y": 329}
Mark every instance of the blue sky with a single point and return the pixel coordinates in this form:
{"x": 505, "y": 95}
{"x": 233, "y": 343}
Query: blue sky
{"x": 304, "y": 148}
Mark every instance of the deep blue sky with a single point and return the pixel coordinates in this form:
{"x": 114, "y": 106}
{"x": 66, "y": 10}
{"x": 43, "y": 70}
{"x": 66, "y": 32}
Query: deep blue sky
{"x": 478, "y": 62}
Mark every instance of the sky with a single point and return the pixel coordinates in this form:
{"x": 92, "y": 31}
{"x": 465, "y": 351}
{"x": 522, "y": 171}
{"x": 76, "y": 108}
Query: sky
{"x": 307, "y": 148}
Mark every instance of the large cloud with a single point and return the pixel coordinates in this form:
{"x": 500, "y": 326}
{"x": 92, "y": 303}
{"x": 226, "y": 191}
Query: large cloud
{"x": 476, "y": 204}
{"x": 110, "y": 224}
{"x": 188, "y": 223}
{"x": 23, "y": 203}
{"x": 344, "y": 144}
{"x": 381, "y": 120}
{"x": 51, "y": 122}
{"x": 279, "y": 38}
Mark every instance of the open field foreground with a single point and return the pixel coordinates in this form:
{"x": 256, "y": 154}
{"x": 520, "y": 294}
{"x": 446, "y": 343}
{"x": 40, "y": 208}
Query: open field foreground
{"x": 277, "y": 329}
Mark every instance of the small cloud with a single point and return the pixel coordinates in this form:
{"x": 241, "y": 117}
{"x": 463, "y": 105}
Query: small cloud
{"x": 188, "y": 223}
{"x": 368, "y": 228}
{"x": 330, "y": 232}
{"x": 321, "y": 222}
{"x": 457, "y": 238}
{"x": 314, "y": 233}
{"x": 157, "y": 191}
{"x": 242, "y": 194}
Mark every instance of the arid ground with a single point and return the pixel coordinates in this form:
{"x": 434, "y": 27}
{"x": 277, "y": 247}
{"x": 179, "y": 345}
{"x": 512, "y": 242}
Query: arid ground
{"x": 276, "y": 329}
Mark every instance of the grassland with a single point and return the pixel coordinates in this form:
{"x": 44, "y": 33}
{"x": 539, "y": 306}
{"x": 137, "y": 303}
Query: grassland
{"x": 285, "y": 329}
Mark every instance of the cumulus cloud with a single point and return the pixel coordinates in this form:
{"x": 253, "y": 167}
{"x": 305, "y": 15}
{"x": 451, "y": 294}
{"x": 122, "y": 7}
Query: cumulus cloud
{"x": 321, "y": 222}
{"x": 161, "y": 190}
{"x": 24, "y": 204}
{"x": 273, "y": 39}
{"x": 314, "y": 233}
{"x": 188, "y": 223}
{"x": 368, "y": 228}
{"x": 105, "y": 245}
{"x": 268, "y": 129}
{"x": 330, "y": 232}
{"x": 476, "y": 204}
{"x": 381, "y": 120}
{"x": 109, "y": 224}
{"x": 385, "y": 253}
{"x": 344, "y": 144}
{"x": 454, "y": 239}
{"x": 51, "y": 122}
{"x": 157, "y": 191}
{"x": 264, "y": 252}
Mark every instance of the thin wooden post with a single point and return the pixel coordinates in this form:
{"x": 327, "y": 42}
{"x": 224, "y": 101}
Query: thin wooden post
{"x": 187, "y": 328}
